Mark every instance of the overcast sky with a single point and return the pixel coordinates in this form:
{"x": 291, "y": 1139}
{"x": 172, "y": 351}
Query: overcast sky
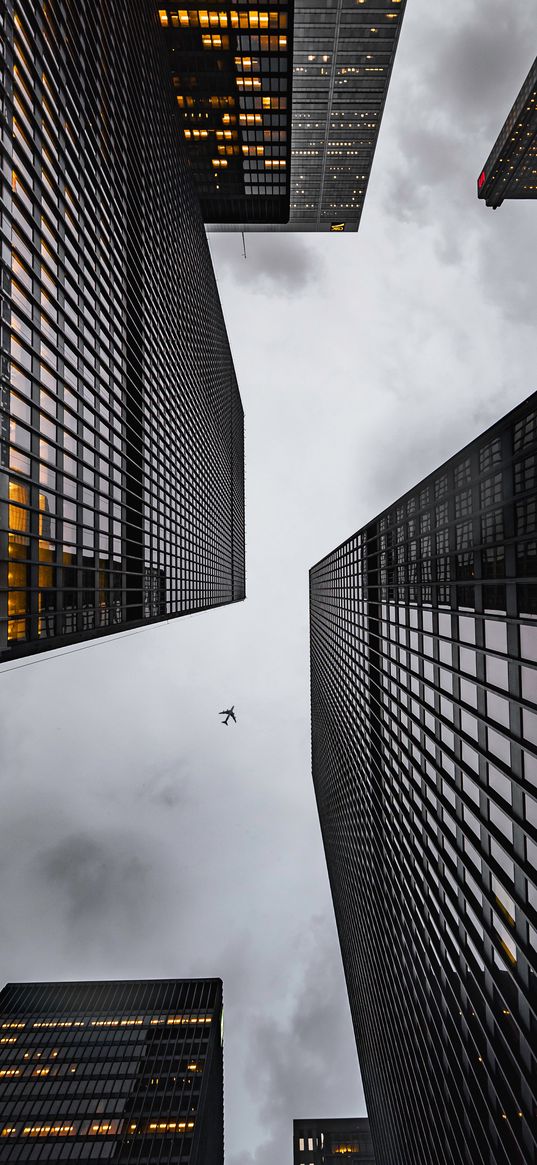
{"x": 140, "y": 837}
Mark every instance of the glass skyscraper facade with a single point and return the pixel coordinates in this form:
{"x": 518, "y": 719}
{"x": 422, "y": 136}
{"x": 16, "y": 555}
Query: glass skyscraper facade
{"x": 333, "y": 1141}
{"x": 231, "y": 71}
{"x": 118, "y": 1071}
{"x": 342, "y": 58}
{"x": 511, "y": 168}
{"x": 121, "y": 425}
{"x": 424, "y": 729}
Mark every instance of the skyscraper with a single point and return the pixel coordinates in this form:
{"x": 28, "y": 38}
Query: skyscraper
{"x": 129, "y": 1071}
{"x": 424, "y": 720}
{"x": 280, "y": 108}
{"x": 332, "y": 1141}
{"x": 232, "y": 74}
{"x": 511, "y": 168}
{"x": 121, "y": 425}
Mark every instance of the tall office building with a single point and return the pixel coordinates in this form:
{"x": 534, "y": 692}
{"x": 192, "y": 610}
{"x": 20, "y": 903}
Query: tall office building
{"x": 127, "y": 1071}
{"x": 121, "y": 425}
{"x": 424, "y": 694}
{"x": 280, "y": 107}
{"x": 232, "y": 72}
{"x": 333, "y": 1141}
{"x": 511, "y": 168}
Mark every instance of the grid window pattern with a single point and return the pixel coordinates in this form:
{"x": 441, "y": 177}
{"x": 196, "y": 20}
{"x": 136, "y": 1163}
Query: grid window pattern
{"x": 424, "y": 721}
{"x": 328, "y": 1142}
{"x": 128, "y": 1071}
{"x": 511, "y": 169}
{"x": 121, "y": 496}
{"x": 343, "y": 55}
{"x": 232, "y": 79}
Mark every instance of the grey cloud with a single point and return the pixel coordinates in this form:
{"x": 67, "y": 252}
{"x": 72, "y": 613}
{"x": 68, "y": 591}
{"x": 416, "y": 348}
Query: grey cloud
{"x": 480, "y": 67}
{"x": 276, "y": 263}
{"x": 448, "y": 103}
{"x": 447, "y": 108}
{"x": 507, "y": 261}
{"x": 90, "y": 878}
{"x": 315, "y": 1036}
{"x": 169, "y": 786}
{"x": 85, "y": 889}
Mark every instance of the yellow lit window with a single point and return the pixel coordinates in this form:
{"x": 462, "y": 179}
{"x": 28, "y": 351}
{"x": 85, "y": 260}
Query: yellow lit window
{"x": 163, "y": 16}
{"x": 116, "y": 1022}
{"x": 58, "y": 1023}
{"x": 109, "y": 1128}
{"x": 170, "y": 1126}
{"x": 18, "y": 496}
{"x": 48, "y": 1130}
{"x": 179, "y": 1019}
{"x": 214, "y": 41}
{"x": 246, "y": 64}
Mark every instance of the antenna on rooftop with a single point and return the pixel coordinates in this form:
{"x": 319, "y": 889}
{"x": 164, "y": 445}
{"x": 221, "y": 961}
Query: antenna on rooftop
{"x": 243, "y": 244}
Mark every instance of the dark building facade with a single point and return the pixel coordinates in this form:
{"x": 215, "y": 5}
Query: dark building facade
{"x": 511, "y": 168}
{"x": 342, "y": 62}
{"x": 281, "y": 107}
{"x": 334, "y": 1141}
{"x": 232, "y": 71}
{"x": 121, "y": 425}
{"x": 424, "y": 727}
{"x": 120, "y": 1071}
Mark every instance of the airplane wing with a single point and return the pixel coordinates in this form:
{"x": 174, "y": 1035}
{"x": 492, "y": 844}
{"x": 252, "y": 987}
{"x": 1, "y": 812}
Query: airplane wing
{"x": 232, "y": 714}
{"x": 223, "y": 712}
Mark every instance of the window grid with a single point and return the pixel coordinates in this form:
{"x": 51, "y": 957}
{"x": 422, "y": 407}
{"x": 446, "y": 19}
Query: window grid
{"x": 120, "y": 417}
{"x": 424, "y": 725}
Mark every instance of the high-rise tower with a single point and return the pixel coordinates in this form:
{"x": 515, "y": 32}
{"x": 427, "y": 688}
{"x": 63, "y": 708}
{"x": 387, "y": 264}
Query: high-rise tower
{"x": 511, "y": 167}
{"x": 121, "y": 425}
{"x": 280, "y": 106}
{"x": 424, "y": 716}
{"x": 332, "y": 1140}
{"x": 122, "y": 1071}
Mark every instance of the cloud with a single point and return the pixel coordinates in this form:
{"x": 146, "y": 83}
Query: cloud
{"x": 443, "y": 118}
{"x": 169, "y": 785}
{"x": 290, "y": 1061}
{"x": 92, "y": 879}
{"x": 506, "y": 263}
{"x": 276, "y": 264}
{"x": 479, "y": 66}
{"x": 85, "y": 890}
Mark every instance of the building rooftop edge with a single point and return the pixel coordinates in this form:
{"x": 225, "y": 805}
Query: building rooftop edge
{"x": 423, "y": 481}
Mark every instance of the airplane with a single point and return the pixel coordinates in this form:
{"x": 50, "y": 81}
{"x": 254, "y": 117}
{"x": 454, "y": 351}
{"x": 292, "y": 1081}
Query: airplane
{"x": 228, "y": 712}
